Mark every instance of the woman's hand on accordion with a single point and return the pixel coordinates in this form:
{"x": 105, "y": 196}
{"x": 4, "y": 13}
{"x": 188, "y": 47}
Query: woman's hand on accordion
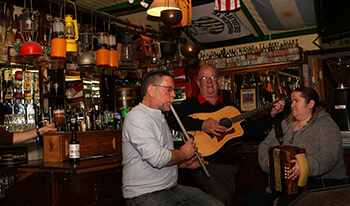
{"x": 295, "y": 171}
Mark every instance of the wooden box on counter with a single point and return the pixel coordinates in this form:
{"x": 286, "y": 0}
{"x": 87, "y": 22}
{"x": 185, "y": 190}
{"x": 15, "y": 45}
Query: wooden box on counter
{"x": 92, "y": 143}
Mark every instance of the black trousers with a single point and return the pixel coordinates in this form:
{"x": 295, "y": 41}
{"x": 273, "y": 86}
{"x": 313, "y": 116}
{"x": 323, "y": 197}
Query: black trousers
{"x": 259, "y": 196}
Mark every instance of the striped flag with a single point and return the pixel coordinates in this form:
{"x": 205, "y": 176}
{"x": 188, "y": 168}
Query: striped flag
{"x": 226, "y": 5}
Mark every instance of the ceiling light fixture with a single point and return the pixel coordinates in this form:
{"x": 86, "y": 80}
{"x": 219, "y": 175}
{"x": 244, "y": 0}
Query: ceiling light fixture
{"x": 158, "y": 6}
{"x": 144, "y": 4}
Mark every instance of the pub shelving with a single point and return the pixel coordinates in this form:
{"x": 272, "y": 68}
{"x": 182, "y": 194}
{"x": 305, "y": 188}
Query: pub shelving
{"x": 266, "y": 78}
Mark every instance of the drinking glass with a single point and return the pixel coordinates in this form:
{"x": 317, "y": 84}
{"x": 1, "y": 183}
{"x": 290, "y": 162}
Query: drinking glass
{"x": 58, "y": 117}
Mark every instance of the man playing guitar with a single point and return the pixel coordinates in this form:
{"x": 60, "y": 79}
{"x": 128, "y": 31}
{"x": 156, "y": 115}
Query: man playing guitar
{"x": 222, "y": 168}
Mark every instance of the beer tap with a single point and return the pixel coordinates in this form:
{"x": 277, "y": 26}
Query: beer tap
{"x": 39, "y": 140}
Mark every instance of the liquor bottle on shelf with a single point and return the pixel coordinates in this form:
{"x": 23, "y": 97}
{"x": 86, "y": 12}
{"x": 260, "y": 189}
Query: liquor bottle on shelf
{"x": 69, "y": 94}
{"x": 47, "y": 83}
{"x": 28, "y": 83}
{"x": 108, "y": 119}
{"x": 7, "y": 77}
{"x": 9, "y": 105}
{"x": 87, "y": 119}
{"x": 55, "y": 85}
{"x": 107, "y": 90}
{"x": 93, "y": 117}
{"x": 74, "y": 144}
{"x": 36, "y": 87}
{"x": 99, "y": 117}
{"x": 18, "y": 107}
{"x": 78, "y": 120}
{"x": 18, "y": 93}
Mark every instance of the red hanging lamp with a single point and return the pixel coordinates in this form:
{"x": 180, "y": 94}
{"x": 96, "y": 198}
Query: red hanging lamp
{"x": 29, "y": 29}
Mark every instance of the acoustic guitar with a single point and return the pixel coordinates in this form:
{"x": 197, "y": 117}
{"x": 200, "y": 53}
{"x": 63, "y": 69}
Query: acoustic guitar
{"x": 211, "y": 146}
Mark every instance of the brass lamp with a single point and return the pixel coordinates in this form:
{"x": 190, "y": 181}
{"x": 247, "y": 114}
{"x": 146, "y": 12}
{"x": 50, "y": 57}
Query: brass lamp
{"x": 171, "y": 17}
{"x": 190, "y": 50}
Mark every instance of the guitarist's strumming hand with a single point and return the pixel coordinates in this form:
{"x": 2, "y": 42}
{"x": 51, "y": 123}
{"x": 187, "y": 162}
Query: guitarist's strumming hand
{"x": 211, "y": 126}
{"x": 278, "y": 108}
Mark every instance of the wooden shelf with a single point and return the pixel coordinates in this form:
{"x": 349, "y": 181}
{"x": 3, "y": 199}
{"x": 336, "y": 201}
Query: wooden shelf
{"x": 53, "y": 96}
{"x": 259, "y": 67}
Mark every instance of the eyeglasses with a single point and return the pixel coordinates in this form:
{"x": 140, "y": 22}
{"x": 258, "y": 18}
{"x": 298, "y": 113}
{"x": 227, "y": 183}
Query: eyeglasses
{"x": 213, "y": 78}
{"x": 169, "y": 89}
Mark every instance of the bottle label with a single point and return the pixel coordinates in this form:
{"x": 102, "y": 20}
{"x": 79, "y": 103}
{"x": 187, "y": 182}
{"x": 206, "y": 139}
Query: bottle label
{"x": 28, "y": 96}
{"x": 19, "y": 75}
{"x": 74, "y": 151}
{"x": 18, "y": 95}
{"x": 8, "y": 96}
{"x": 36, "y": 85}
{"x": 28, "y": 85}
{"x": 8, "y": 75}
{"x": 36, "y": 95}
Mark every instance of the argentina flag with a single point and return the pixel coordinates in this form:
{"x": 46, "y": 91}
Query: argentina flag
{"x": 286, "y": 14}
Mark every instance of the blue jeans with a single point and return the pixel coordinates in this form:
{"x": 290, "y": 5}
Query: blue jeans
{"x": 178, "y": 195}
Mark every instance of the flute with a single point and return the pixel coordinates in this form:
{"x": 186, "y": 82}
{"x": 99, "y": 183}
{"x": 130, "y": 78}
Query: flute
{"x": 188, "y": 138}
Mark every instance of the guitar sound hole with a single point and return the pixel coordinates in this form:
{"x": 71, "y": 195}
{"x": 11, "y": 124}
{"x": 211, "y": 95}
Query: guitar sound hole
{"x": 226, "y": 122}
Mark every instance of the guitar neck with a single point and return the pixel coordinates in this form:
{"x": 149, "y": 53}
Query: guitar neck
{"x": 253, "y": 112}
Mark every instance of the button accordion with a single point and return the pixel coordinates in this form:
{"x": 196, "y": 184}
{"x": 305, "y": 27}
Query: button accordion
{"x": 280, "y": 158}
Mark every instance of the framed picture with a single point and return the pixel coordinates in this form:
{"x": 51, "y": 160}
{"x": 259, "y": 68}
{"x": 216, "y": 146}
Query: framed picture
{"x": 248, "y": 99}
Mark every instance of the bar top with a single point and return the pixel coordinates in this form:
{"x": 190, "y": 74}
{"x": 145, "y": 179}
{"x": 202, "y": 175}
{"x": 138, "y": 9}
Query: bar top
{"x": 85, "y": 165}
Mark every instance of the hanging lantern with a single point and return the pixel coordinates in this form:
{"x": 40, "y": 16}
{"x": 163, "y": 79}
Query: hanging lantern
{"x": 113, "y": 54}
{"x": 86, "y": 38}
{"x": 142, "y": 47}
{"x": 58, "y": 44}
{"x": 127, "y": 57}
{"x": 113, "y": 58}
{"x": 29, "y": 28}
{"x": 71, "y": 33}
{"x": 102, "y": 58}
{"x": 102, "y": 55}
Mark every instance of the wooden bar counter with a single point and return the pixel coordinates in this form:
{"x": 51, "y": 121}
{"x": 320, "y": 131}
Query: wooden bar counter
{"x": 94, "y": 180}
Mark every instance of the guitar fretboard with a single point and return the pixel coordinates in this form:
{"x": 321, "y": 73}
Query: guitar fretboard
{"x": 253, "y": 112}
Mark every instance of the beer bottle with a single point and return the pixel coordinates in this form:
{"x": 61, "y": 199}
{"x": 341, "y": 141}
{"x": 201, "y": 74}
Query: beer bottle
{"x": 93, "y": 118}
{"x": 74, "y": 144}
